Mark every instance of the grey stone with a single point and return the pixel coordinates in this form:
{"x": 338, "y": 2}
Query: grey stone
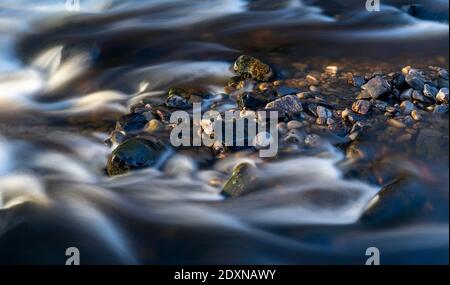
{"x": 377, "y": 86}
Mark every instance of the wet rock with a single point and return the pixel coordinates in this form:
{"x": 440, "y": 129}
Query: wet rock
{"x": 331, "y": 70}
{"x": 442, "y": 96}
{"x": 430, "y": 91}
{"x": 178, "y": 102}
{"x": 443, "y": 73}
{"x": 323, "y": 112}
{"x": 252, "y": 100}
{"x": 416, "y": 115}
{"x": 131, "y": 123}
{"x": 396, "y": 123}
{"x": 356, "y": 81}
{"x": 361, "y": 107}
{"x": 407, "y": 107}
{"x": 250, "y": 67}
{"x": 294, "y": 124}
{"x": 234, "y": 81}
{"x": 415, "y": 79}
{"x": 399, "y": 82}
{"x": 115, "y": 138}
{"x": 286, "y": 90}
{"x": 288, "y": 105}
{"x": 407, "y": 94}
{"x": 313, "y": 80}
{"x": 431, "y": 143}
{"x": 398, "y": 200}
{"x": 440, "y": 109}
{"x": 418, "y": 95}
{"x": 134, "y": 153}
{"x": 380, "y": 105}
{"x": 154, "y": 126}
{"x": 313, "y": 140}
{"x": 240, "y": 182}
{"x": 377, "y": 87}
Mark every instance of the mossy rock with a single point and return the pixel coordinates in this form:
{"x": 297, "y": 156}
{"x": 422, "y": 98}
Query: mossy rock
{"x": 134, "y": 153}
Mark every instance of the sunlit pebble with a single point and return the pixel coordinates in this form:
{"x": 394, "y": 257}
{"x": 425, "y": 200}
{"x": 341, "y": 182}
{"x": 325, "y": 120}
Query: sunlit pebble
{"x": 331, "y": 70}
{"x": 263, "y": 86}
{"x": 215, "y": 182}
{"x": 313, "y": 88}
{"x": 406, "y": 69}
{"x": 312, "y": 79}
{"x": 277, "y": 83}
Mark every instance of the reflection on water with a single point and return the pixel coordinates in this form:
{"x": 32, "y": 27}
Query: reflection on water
{"x": 66, "y": 77}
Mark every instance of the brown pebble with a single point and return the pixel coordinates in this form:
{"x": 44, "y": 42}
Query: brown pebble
{"x": 396, "y": 123}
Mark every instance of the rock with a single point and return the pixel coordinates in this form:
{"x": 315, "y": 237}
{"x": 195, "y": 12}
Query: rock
{"x": 313, "y": 80}
{"x": 418, "y": 95}
{"x": 377, "y": 87}
{"x": 287, "y": 105}
{"x": 154, "y": 126}
{"x": 234, "y": 81}
{"x": 241, "y": 180}
{"x": 443, "y": 73}
{"x": 252, "y": 100}
{"x": 178, "y": 102}
{"x": 396, "y": 123}
{"x": 313, "y": 140}
{"x": 364, "y": 95}
{"x": 250, "y": 67}
{"x": 399, "y": 82}
{"x": 286, "y": 90}
{"x": 134, "y": 153}
{"x": 323, "y": 112}
{"x": 415, "y": 79}
{"x": 361, "y": 107}
{"x": 431, "y": 143}
{"x": 356, "y": 81}
{"x": 407, "y": 107}
{"x": 398, "y": 200}
{"x": 331, "y": 70}
{"x": 416, "y": 115}
{"x": 442, "y": 95}
{"x": 131, "y": 123}
{"x": 282, "y": 128}
{"x": 188, "y": 92}
{"x": 430, "y": 91}
{"x": 380, "y": 105}
{"x": 114, "y": 138}
{"x": 263, "y": 86}
{"x": 440, "y": 109}
{"x": 407, "y": 94}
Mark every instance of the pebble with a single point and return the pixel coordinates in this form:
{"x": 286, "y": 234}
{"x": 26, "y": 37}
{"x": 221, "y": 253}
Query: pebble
{"x": 406, "y": 69}
{"x": 286, "y": 105}
{"x": 440, "y": 109}
{"x": 263, "y": 86}
{"x": 418, "y": 95}
{"x": 331, "y": 70}
{"x": 430, "y": 91}
{"x": 399, "y": 82}
{"x": 407, "y": 94}
{"x": 377, "y": 86}
{"x": 294, "y": 124}
{"x": 323, "y": 112}
{"x": 361, "y": 107}
{"x": 415, "y": 79}
{"x": 250, "y": 67}
{"x": 312, "y": 79}
{"x": 282, "y": 128}
{"x": 442, "y": 96}
{"x": 356, "y": 81}
{"x": 443, "y": 73}
{"x": 407, "y": 107}
{"x": 313, "y": 88}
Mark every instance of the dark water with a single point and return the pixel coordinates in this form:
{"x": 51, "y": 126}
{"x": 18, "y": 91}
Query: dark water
{"x": 65, "y": 77}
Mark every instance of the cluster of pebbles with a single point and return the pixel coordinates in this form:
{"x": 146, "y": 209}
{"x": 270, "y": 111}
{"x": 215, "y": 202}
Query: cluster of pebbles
{"x": 398, "y": 107}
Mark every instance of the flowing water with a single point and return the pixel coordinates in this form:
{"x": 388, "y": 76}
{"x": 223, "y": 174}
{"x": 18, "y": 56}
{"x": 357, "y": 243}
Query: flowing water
{"x": 65, "y": 77}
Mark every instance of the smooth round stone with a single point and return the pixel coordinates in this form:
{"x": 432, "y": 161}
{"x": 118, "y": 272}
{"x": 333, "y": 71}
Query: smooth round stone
{"x": 407, "y": 107}
{"x": 361, "y": 107}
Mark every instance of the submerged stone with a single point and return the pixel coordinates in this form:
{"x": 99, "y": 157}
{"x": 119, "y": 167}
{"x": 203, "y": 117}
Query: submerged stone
{"x": 250, "y": 67}
{"x": 377, "y": 87}
{"x": 134, "y": 153}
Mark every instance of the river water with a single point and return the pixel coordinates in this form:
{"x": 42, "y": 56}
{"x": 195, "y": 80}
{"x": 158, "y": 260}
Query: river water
{"x": 66, "y": 76}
